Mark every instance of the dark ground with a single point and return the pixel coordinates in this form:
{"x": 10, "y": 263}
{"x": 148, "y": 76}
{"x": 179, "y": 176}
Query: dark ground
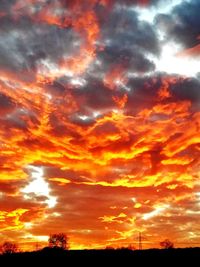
{"x": 153, "y": 257}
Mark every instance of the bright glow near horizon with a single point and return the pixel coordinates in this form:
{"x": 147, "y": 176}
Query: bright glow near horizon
{"x": 171, "y": 62}
{"x": 38, "y": 186}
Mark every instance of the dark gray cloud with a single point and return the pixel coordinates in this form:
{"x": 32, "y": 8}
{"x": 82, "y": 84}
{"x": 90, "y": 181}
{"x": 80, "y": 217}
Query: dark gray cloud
{"x": 187, "y": 89}
{"x": 6, "y": 104}
{"x": 5, "y": 5}
{"x": 95, "y": 96}
{"x": 144, "y": 3}
{"x": 123, "y": 28}
{"x": 183, "y": 23}
{"x": 25, "y": 43}
{"x": 127, "y": 41}
{"x": 145, "y": 89}
{"x": 17, "y": 118}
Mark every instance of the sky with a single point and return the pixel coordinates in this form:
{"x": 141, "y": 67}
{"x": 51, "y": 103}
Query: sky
{"x": 100, "y": 122}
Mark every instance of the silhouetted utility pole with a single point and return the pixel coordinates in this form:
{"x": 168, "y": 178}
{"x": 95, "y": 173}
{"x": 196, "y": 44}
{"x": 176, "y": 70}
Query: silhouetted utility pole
{"x": 36, "y": 246}
{"x": 140, "y": 241}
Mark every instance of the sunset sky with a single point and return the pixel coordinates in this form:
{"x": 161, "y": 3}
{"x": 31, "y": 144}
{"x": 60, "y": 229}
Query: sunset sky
{"x": 100, "y": 122}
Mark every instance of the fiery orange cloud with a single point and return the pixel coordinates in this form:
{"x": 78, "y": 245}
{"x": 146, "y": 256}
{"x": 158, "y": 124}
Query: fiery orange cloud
{"x": 90, "y": 145}
{"x": 110, "y": 219}
{"x": 115, "y": 76}
{"x": 164, "y": 90}
{"x": 55, "y": 14}
{"x": 89, "y": 25}
{"x": 120, "y": 102}
{"x": 190, "y": 52}
{"x": 11, "y": 220}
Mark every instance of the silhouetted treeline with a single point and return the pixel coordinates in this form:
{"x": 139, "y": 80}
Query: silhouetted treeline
{"x": 124, "y": 257}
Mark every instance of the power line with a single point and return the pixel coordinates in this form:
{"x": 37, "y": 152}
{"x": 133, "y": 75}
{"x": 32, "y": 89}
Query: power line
{"x": 140, "y": 241}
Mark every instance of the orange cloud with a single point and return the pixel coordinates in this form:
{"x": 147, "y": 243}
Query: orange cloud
{"x": 11, "y": 220}
{"x": 120, "y": 102}
{"x": 115, "y": 77}
{"x": 98, "y": 154}
{"x": 190, "y": 52}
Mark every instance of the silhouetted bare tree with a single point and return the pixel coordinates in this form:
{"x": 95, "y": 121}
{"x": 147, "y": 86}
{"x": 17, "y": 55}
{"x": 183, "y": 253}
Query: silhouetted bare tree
{"x": 131, "y": 247}
{"x": 59, "y": 240}
{"x": 109, "y": 248}
{"x": 166, "y": 244}
{"x": 8, "y": 248}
